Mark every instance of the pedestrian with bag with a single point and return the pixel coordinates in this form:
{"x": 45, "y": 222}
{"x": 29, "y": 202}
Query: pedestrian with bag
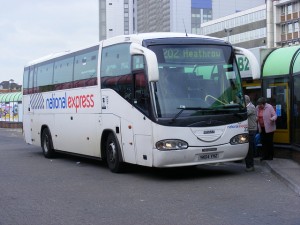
{"x": 266, "y": 117}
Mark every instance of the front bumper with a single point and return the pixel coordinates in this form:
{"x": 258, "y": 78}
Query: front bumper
{"x": 199, "y": 155}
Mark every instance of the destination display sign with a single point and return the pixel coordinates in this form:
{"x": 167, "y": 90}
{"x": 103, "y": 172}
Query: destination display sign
{"x": 192, "y": 54}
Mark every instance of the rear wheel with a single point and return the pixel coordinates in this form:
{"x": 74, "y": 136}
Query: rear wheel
{"x": 47, "y": 144}
{"x": 113, "y": 154}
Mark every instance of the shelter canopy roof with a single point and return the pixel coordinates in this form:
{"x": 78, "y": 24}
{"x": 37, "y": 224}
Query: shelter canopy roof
{"x": 11, "y": 97}
{"x": 280, "y": 61}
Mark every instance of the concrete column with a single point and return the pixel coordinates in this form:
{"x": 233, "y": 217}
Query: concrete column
{"x": 270, "y": 23}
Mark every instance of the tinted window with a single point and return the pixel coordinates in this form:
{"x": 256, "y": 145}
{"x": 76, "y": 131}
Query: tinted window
{"x": 63, "y": 70}
{"x": 115, "y": 60}
{"x": 44, "y": 77}
{"x": 25, "y": 80}
{"x": 63, "y": 73}
{"x": 45, "y": 74}
{"x": 30, "y": 81}
{"x": 115, "y": 70}
{"x": 85, "y": 69}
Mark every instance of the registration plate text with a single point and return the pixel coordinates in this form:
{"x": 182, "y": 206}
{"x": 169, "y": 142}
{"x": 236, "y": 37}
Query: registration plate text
{"x": 208, "y": 156}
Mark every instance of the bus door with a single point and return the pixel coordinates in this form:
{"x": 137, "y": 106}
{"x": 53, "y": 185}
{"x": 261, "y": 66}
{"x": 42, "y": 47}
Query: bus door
{"x": 278, "y": 96}
{"x": 27, "y": 120}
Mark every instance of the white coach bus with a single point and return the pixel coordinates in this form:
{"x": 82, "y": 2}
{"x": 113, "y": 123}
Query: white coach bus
{"x": 156, "y": 99}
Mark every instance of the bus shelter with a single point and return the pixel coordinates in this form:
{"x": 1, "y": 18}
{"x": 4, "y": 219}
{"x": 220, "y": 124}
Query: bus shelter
{"x": 11, "y": 107}
{"x": 281, "y": 87}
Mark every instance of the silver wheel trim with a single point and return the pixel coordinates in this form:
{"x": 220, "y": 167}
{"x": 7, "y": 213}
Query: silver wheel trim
{"x": 112, "y": 152}
{"x": 46, "y": 141}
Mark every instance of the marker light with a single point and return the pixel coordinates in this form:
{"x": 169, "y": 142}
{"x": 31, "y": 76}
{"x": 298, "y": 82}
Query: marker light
{"x": 239, "y": 139}
{"x": 171, "y": 145}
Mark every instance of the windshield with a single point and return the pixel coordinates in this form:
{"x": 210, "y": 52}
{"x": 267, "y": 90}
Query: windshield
{"x": 196, "y": 80}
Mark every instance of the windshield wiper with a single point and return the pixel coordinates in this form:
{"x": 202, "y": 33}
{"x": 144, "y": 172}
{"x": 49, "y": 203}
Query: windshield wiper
{"x": 187, "y": 108}
{"x": 234, "y": 105}
{"x": 229, "y": 106}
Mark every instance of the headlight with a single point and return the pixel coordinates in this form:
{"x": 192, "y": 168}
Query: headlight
{"x": 171, "y": 145}
{"x": 240, "y": 139}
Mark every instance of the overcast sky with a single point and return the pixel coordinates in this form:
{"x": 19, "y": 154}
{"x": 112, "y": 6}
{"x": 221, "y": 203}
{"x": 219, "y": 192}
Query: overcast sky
{"x": 30, "y": 29}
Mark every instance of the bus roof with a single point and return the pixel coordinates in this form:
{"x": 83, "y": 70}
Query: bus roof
{"x": 139, "y": 38}
{"x": 136, "y": 38}
{"x": 55, "y": 55}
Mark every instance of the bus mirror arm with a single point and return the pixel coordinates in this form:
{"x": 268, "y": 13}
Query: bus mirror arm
{"x": 151, "y": 60}
{"x": 255, "y": 67}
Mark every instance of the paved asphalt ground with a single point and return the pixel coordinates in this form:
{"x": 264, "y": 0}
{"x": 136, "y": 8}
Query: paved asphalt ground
{"x": 286, "y": 170}
{"x": 71, "y": 190}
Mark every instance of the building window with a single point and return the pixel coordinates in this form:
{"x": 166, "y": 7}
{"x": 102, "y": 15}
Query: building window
{"x": 283, "y": 10}
{"x": 290, "y": 28}
{"x": 283, "y": 29}
{"x": 296, "y": 7}
{"x": 296, "y": 26}
{"x": 289, "y": 8}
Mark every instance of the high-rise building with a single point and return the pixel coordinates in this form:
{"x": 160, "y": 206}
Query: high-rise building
{"x": 172, "y": 15}
{"x": 153, "y": 16}
{"x": 118, "y": 17}
{"x": 201, "y": 12}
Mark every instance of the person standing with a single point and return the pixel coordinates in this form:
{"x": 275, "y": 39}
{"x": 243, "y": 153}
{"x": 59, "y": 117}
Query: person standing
{"x": 252, "y": 128}
{"x": 266, "y": 117}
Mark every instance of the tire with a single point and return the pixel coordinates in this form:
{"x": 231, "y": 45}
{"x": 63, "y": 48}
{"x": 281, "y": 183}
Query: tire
{"x": 113, "y": 158}
{"x": 47, "y": 144}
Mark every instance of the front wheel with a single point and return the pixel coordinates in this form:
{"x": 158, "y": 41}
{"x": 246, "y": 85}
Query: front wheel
{"x": 47, "y": 144}
{"x": 113, "y": 154}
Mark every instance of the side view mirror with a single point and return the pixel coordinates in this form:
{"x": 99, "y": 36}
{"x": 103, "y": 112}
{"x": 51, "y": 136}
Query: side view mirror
{"x": 151, "y": 60}
{"x": 255, "y": 67}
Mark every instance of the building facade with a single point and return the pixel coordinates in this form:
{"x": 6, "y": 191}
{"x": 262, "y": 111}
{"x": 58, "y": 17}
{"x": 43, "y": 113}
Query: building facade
{"x": 244, "y": 29}
{"x": 286, "y": 17}
{"x": 274, "y": 24}
{"x": 223, "y": 8}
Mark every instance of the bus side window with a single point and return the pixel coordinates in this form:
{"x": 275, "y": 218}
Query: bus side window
{"x": 63, "y": 73}
{"x": 35, "y": 87}
{"x": 141, "y": 95}
{"x": 115, "y": 70}
{"x": 45, "y": 77}
{"x": 25, "y": 81}
{"x": 85, "y": 68}
{"x": 30, "y": 82}
{"x": 141, "y": 92}
{"x": 138, "y": 62}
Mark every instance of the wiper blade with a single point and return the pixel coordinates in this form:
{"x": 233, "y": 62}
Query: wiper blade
{"x": 188, "y": 108}
{"x": 235, "y": 105}
{"x": 229, "y": 106}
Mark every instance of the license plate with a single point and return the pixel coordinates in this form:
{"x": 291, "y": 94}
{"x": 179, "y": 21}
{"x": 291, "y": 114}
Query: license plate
{"x": 208, "y": 156}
